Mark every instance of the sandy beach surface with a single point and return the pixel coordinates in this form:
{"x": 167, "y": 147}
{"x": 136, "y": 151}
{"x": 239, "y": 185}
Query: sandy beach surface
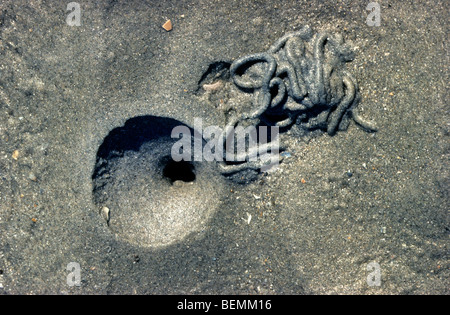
{"x": 353, "y": 213}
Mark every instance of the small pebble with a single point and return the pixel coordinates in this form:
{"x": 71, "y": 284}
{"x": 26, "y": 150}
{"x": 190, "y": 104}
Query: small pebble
{"x": 167, "y": 26}
{"x": 178, "y": 183}
{"x": 32, "y": 177}
{"x": 15, "y": 155}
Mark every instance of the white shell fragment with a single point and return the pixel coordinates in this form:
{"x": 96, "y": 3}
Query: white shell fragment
{"x": 106, "y": 214}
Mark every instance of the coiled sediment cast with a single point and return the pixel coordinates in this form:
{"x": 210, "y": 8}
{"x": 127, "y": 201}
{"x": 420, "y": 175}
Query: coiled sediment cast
{"x": 300, "y": 79}
{"x": 291, "y": 81}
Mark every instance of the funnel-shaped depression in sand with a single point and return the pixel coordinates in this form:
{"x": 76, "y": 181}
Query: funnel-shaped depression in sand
{"x": 153, "y": 200}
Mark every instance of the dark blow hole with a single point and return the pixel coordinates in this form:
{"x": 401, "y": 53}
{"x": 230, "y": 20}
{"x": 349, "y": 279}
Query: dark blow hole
{"x": 182, "y": 170}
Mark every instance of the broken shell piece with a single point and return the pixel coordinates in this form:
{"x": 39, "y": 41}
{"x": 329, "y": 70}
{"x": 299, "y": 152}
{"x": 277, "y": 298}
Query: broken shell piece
{"x": 106, "y": 214}
{"x": 167, "y": 26}
{"x": 213, "y": 86}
